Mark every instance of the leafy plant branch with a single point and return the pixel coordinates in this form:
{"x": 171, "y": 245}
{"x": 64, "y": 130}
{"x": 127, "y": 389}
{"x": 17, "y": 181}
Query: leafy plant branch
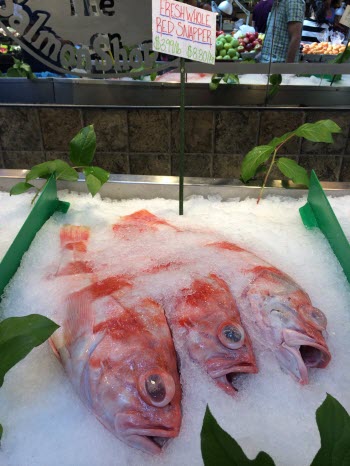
{"x": 275, "y": 80}
{"x": 227, "y": 78}
{"x": 321, "y": 131}
{"x": 19, "y": 70}
{"x": 81, "y": 154}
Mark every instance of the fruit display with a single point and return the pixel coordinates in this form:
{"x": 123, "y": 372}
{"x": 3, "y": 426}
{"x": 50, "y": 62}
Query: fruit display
{"x": 323, "y": 48}
{"x": 230, "y": 48}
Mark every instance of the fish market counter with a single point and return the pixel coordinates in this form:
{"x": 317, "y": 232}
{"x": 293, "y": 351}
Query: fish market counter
{"x": 135, "y": 288}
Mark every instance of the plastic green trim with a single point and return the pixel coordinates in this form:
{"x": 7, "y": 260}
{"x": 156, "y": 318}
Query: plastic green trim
{"x": 46, "y": 205}
{"x": 319, "y": 213}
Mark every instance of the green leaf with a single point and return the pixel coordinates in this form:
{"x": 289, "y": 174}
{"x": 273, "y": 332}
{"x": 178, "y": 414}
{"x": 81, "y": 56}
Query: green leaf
{"x": 213, "y": 86}
{"x": 321, "y": 131}
{"x": 97, "y": 172}
{"x": 254, "y": 159}
{"x": 19, "y": 335}
{"x": 93, "y": 184}
{"x": 278, "y": 141}
{"x": 26, "y": 67}
{"x": 153, "y": 76}
{"x": 83, "y": 146}
{"x": 330, "y": 125}
{"x": 292, "y": 170}
{"x": 1, "y": 432}
{"x": 336, "y": 78}
{"x": 334, "y": 425}
{"x": 342, "y": 57}
{"x": 20, "y": 188}
{"x": 95, "y": 178}
{"x": 219, "y": 448}
{"x": 64, "y": 171}
{"x": 233, "y": 79}
{"x": 15, "y": 73}
{"x": 215, "y": 81}
{"x": 43, "y": 170}
{"x": 61, "y": 169}
{"x": 275, "y": 79}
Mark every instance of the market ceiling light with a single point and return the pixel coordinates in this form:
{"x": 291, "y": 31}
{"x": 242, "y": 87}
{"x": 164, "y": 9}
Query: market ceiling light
{"x": 226, "y": 7}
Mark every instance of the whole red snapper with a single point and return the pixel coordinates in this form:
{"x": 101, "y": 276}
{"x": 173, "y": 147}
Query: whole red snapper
{"x": 118, "y": 352}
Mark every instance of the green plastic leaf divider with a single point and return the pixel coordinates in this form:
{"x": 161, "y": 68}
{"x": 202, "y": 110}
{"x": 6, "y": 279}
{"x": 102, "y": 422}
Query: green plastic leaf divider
{"x": 319, "y": 213}
{"x": 220, "y": 449}
{"x": 46, "y": 205}
{"x": 333, "y": 421}
{"x": 334, "y": 425}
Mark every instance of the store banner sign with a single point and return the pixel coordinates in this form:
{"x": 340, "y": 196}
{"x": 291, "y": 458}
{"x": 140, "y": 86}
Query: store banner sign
{"x": 88, "y": 38}
{"x": 183, "y": 31}
{"x": 345, "y": 19}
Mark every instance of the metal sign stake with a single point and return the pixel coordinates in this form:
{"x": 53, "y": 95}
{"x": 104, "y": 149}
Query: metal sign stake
{"x": 182, "y": 135}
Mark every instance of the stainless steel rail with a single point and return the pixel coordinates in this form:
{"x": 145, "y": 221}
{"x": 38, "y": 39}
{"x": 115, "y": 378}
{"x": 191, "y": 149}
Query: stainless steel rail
{"x": 138, "y": 94}
{"x": 264, "y": 68}
{"x": 149, "y": 187}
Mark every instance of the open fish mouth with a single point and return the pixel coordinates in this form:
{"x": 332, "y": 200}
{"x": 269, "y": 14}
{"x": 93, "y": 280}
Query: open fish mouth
{"x": 226, "y": 377}
{"x": 299, "y": 352}
{"x": 150, "y": 441}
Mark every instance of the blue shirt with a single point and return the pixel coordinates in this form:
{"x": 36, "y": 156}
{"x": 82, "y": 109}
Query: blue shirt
{"x": 276, "y": 43}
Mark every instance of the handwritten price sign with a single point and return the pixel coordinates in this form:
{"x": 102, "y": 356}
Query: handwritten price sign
{"x": 183, "y": 31}
{"x": 345, "y": 19}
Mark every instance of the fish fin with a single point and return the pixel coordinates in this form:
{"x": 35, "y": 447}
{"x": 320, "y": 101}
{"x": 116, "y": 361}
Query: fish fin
{"x": 54, "y": 349}
{"x": 79, "y": 318}
{"x": 227, "y": 246}
{"x": 142, "y": 220}
{"x": 220, "y": 282}
{"x": 108, "y": 286}
{"x": 75, "y": 268}
{"x": 74, "y": 238}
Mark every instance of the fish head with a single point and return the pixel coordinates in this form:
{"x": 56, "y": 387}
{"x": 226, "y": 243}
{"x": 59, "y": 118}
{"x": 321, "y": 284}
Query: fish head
{"x": 290, "y": 322}
{"x": 152, "y": 414}
{"x": 212, "y": 331}
{"x": 133, "y": 374}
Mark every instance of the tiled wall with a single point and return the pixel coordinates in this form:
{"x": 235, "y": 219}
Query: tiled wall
{"x": 146, "y": 142}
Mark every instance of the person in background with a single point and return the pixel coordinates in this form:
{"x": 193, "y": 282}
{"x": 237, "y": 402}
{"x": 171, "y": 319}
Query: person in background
{"x": 329, "y": 6}
{"x": 260, "y": 14}
{"x": 283, "y": 33}
{"x": 204, "y": 6}
{"x": 316, "y": 27}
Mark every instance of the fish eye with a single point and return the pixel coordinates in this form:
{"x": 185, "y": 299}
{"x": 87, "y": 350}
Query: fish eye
{"x": 314, "y": 316}
{"x": 157, "y": 388}
{"x": 231, "y": 335}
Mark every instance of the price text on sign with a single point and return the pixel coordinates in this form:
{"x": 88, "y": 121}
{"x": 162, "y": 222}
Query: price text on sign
{"x": 183, "y": 31}
{"x": 345, "y": 19}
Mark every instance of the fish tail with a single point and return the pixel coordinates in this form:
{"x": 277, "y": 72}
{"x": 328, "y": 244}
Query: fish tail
{"x": 143, "y": 220}
{"x": 74, "y": 238}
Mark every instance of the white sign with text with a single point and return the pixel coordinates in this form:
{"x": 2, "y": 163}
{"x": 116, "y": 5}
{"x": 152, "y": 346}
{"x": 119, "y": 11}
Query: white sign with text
{"x": 183, "y": 31}
{"x": 345, "y": 19}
